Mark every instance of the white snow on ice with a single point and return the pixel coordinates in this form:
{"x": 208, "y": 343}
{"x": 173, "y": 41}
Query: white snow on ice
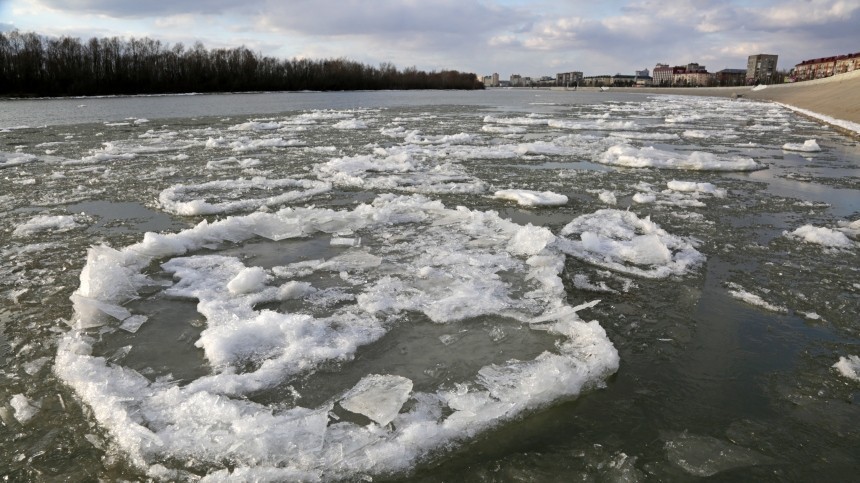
{"x": 623, "y": 242}
{"x": 650, "y": 157}
{"x": 808, "y": 146}
{"x": 532, "y": 198}
{"x": 242, "y": 195}
{"x": 820, "y": 235}
{"x": 849, "y": 367}
{"x": 444, "y": 263}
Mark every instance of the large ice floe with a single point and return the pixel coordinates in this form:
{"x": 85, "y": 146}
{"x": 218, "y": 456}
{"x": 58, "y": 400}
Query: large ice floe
{"x": 15, "y": 159}
{"x": 532, "y": 198}
{"x": 849, "y": 367}
{"x": 237, "y": 195}
{"x": 404, "y": 169}
{"x": 268, "y": 329}
{"x": 623, "y": 242}
{"x": 650, "y": 157}
{"x": 820, "y": 235}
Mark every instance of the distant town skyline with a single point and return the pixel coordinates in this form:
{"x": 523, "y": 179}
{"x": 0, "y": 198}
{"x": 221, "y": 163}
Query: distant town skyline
{"x": 531, "y": 38}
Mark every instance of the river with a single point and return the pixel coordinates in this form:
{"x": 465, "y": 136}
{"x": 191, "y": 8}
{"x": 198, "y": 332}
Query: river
{"x": 504, "y": 285}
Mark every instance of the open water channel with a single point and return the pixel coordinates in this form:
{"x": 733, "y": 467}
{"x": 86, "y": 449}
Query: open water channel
{"x": 507, "y": 285}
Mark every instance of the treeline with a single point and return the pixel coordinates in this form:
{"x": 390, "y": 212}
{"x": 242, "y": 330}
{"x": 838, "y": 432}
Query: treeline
{"x": 36, "y": 65}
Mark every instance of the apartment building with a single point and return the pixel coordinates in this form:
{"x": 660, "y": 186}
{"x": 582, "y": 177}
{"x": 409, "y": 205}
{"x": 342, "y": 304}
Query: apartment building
{"x": 691, "y": 74}
{"x": 761, "y": 68}
{"x": 568, "y": 78}
{"x": 826, "y": 66}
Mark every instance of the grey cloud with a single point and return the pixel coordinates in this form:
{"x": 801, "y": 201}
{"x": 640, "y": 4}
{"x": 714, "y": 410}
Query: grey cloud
{"x": 143, "y": 8}
{"x": 387, "y": 18}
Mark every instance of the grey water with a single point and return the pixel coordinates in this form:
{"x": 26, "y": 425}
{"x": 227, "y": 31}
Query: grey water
{"x": 709, "y": 386}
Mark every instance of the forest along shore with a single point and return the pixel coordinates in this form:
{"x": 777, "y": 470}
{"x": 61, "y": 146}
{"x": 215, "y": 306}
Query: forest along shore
{"x": 837, "y": 97}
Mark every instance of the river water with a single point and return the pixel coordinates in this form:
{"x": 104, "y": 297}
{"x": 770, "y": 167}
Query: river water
{"x": 507, "y": 285}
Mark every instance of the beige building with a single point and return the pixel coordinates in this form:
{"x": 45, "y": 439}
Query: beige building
{"x": 568, "y": 78}
{"x": 826, "y": 66}
{"x": 761, "y": 68}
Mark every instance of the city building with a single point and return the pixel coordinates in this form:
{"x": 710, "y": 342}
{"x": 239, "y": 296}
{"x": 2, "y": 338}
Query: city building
{"x": 663, "y": 75}
{"x": 691, "y": 74}
{"x": 517, "y": 80}
{"x": 730, "y": 77}
{"x": 826, "y": 66}
{"x": 568, "y": 79}
{"x": 761, "y": 68}
{"x": 491, "y": 80}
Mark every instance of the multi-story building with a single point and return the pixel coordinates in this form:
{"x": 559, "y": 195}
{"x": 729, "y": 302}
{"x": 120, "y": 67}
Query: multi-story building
{"x": 491, "y": 80}
{"x": 568, "y": 78}
{"x": 663, "y": 75}
{"x": 761, "y": 68}
{"x": 826, "y": 66}
{"x": 691, "y": 74}
{"x": 516, "y": 80}
{"x": 730, "y": 77}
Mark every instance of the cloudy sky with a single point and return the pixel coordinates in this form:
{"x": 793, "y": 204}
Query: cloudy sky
{"x": 527, "y": 37}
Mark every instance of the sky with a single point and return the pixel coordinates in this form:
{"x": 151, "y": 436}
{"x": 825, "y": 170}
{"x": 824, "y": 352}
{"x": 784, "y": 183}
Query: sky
{"x": 526, "y": 37}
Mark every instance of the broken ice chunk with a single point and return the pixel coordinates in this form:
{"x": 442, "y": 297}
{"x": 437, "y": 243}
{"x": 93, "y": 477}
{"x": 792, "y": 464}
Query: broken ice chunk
{"x": 379, "y": 397}
{"x": 249, "y": 280}
{"x": 345, "y": 242}
{"x": 25, "y": 409}
{"x": 133, "y": 323}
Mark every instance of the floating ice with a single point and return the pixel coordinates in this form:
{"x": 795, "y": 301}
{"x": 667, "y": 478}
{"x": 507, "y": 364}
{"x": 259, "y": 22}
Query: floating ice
{"x": 350, "y": 124}
{"x": 820, "y": 235}
{"x": 52, "y": 223}
{"x": 849, "y": 367}
{"x": 621, "y": 241}
{"x": 693, "y": 187}
{"x": 446, "y": 264}
{"x": 650, "y": 157}
{"x": 255, "y": 126}
{"x": 530, "y": 120}
{"x": 233, "y": 163}
{"x": 707, "y": 456}
{"x": 15, "y": 159}
{"x": 607, "y": 197}
{"x": 24, "y": 408}
{"x": 249, "y": 280}
{"x": 171, "y": 199}
{"x": 532, "y": 198}
{"x": 599, "y": 124}
{"x": 808, "y": 146}
{"x": 740, "y": 293}
{"x": 379, "y": 397}
{"x": 390, "y": 169}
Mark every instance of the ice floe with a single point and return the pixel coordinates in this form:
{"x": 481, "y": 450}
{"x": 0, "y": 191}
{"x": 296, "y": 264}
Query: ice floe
{"x": 849, "y": 367}
{"x": 15, "y": 159}
{"x": 820, "y": 235}
{"x": 237, "y": 195}
{"x": 532, "y": 198}
{"x": 50, "y": 223}
{"x": 422, "y": 258}
{"x": 808, "y": 146}
{"x": 398, "y": 169}
{"x": 650, "y": 157}
{"x": 744, "y": 295}
{"x": 623, "y": 242}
